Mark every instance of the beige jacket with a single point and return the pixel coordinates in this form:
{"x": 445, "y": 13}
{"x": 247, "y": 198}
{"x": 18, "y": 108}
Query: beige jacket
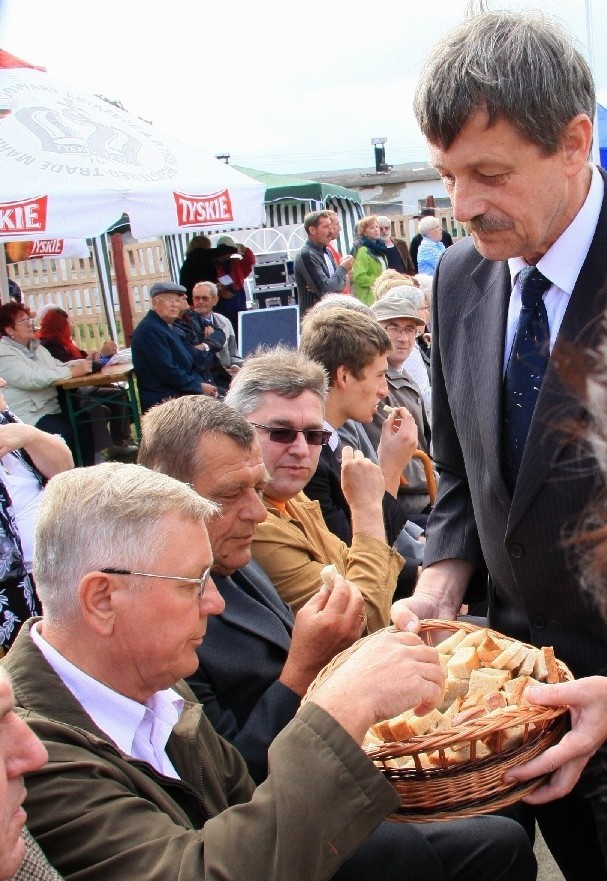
{"x": 293, "y": 548}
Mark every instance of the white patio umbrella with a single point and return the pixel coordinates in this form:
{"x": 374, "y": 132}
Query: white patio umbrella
{"x": 72, "y": 164}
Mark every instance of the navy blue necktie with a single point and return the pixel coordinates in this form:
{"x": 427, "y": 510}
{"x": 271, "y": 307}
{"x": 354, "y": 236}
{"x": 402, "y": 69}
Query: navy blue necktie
{"x": 525, "y": 371}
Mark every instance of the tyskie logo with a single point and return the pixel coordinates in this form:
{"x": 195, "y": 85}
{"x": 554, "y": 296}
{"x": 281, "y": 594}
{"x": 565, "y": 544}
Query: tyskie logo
{"x": 27, "y": 215}
{"x": 194, "y": 211}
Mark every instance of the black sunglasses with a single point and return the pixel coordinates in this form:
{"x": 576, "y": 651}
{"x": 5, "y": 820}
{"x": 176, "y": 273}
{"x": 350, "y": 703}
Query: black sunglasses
{"x": 315, "y": 437}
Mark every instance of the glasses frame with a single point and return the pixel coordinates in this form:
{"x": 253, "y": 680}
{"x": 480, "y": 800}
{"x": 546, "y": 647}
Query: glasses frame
{"x": 202, "y": 581}
{"x": 293, "y": 432}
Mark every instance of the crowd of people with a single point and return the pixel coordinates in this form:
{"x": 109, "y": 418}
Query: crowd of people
{"x": 163, "y": 620}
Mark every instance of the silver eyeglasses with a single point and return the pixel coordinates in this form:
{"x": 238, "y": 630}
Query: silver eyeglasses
{"x": 201, "y": 582}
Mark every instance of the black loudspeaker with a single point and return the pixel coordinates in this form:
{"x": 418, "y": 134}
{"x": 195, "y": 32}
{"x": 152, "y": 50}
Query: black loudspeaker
{"x": 275, "y": 297}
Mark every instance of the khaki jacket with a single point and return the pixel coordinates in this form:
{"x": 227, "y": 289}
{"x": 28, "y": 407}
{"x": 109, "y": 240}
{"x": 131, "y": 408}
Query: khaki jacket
{"x": 99, "y": 814}
{"x": 293, "y": 548}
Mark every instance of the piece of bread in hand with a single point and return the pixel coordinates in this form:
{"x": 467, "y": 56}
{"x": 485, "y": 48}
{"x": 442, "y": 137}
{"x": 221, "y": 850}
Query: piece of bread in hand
{"x": 327, "y": 575}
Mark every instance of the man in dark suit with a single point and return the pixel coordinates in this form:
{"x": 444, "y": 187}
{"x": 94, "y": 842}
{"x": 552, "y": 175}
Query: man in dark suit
{"x": 506, "y": 104}
{"x": 257, "y": 661}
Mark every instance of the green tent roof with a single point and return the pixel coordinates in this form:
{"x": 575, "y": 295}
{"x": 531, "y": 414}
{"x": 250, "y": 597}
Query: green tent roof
{"x": 287, "y": 187}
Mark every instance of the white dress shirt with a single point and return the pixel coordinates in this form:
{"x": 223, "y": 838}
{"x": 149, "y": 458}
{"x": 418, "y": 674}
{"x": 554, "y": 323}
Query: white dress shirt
{"x": 139, "y": 730}
{"x": 561, "y": 264}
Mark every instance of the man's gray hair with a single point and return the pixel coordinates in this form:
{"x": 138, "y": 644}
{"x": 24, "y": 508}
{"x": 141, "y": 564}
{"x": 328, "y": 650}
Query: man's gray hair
{"x": 281, "y": 371}
{"x": 171, "y": 434}
{"x": 105, "y": 515}
{"x": 209, "y": 284}
{"x": 522, "y": 68}
{"x": 344, "y": 300}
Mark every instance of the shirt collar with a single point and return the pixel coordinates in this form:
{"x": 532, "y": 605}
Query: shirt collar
{"x": 116, "y": 715}
{"x": 563, "y": 261}
{"x": 334, "y": 439}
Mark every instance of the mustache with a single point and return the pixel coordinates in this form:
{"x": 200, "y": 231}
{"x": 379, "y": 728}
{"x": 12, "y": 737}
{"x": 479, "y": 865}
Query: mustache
{"x": 483, "y": 223}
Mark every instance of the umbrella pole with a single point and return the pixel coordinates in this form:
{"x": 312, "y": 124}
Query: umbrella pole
{"x": 102, "y": 266}
{"x": 4, "y": 298}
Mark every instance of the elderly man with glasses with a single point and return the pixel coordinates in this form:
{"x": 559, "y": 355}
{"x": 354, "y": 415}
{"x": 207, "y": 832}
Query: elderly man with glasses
{"x": 164, "y": 366}
{"x": 138, "y": 784}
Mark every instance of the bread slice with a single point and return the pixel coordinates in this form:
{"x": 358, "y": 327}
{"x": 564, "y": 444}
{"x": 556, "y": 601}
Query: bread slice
{"x": 475, "y": 639}
{"x": 510, "y": 657}
{"x": 448, "y": 646}
{"x": 487, "y": 680}
{"x": 463, "y": 662}
{"x": 454, "y": 688}
{"x": 545, "y": 668}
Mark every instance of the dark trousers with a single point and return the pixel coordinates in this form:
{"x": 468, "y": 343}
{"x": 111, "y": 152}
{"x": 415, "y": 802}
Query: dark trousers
{"x": 479, "y": 849}
{"x": 574, "y": 827}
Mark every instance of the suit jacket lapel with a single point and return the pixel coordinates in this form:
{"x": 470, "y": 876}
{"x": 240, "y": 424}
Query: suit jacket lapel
{"x": 253, "y": 605}
{"x": 484, "y": 329}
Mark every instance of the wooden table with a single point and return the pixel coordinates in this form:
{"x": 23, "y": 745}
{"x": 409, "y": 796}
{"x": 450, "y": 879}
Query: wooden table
{"x": 106, "y": 378}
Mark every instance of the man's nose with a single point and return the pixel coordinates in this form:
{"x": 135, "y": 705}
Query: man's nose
{"x": 254, "y": 510}
{"x": 212, "y": 601}
{"x": 382, "y": 389}
{"x": 466, "y": 200}
{"x": 299, "y": 446}
{"x": 27, "y": 754}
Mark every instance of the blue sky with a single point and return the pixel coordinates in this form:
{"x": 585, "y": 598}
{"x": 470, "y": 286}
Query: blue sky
{"x": 281, "y": 87}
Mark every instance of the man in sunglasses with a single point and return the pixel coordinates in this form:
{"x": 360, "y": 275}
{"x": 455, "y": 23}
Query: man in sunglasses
{"x": 282, "y": 394}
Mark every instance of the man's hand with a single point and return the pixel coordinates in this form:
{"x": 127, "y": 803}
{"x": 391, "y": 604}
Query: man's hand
{"x": 80, "y": 368}
{"x": 399, "y": 438}
{"x": 109, "y": 348}
{"x": 587, "y": 699}
{"x": 328, "y": 623}
{"x": 347, "y": 262}
{"x": 362, "y": 481}
{"x": 208, "y": 389}
{"x": 389, "y": 673}
{"x": 438, "y": 594}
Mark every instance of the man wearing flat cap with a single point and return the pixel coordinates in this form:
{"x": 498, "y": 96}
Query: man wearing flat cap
{"x": 164, "y": 366}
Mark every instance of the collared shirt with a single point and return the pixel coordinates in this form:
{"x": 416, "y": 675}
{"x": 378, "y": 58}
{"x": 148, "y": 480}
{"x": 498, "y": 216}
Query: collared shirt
{"x": 334, "y": 440}
{"x": 561, "y": 264}
{"x": 139, "y": 730}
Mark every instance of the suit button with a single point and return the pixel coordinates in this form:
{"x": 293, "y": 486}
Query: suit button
{"x": 516, "y": 551}
{"x": 538, "y": 621}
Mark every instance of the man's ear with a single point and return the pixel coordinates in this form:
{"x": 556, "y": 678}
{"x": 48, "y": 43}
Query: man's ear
{"x": 97, "y": 601}
{"x": 342, "y": 375}
{"x": 577, "y": 141}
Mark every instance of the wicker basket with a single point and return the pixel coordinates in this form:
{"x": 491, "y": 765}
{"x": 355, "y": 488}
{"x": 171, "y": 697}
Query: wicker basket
{"x": 470, "y": 787}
